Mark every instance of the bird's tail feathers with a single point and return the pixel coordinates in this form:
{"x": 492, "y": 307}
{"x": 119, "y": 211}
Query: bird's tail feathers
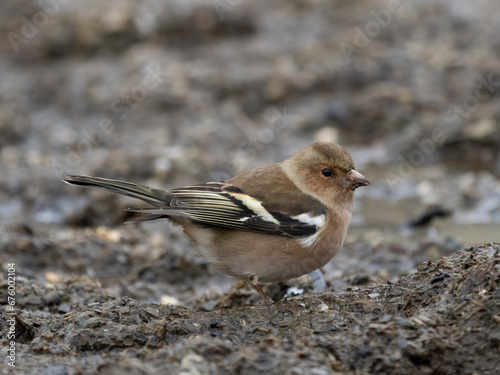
{"x": 155, "y": 197}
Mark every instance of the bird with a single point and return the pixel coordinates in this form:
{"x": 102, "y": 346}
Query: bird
{"x": 268, "y": 224}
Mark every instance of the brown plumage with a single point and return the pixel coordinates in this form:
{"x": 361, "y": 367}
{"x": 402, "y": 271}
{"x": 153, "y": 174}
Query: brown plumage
{"x": 269, "y": 224}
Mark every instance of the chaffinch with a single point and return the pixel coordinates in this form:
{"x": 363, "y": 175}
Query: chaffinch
{"x": 268, "y": 224}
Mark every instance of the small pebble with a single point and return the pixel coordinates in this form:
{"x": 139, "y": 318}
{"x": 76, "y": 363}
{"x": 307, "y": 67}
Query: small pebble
{"x": 52, "y": 277}
{"x": 111, "y": 235}
{"x": 169, "y": 300}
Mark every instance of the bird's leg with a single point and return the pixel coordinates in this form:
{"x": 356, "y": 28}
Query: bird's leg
{"x": 253, "y": 281}
{"x": 318, "y": 280}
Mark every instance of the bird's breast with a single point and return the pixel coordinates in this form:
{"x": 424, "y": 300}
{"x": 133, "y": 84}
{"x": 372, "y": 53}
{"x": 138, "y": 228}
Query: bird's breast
{"x": 271, "y": 258}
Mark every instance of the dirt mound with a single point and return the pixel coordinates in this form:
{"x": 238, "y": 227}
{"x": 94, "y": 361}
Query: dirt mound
{"x": 442, "y": 319}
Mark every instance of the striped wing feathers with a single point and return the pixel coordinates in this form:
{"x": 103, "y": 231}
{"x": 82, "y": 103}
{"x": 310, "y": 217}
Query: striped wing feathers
{"x": 226, "y": 206}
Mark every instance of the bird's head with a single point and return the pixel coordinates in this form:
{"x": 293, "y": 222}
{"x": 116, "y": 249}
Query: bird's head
{"x": 325, "y": 171}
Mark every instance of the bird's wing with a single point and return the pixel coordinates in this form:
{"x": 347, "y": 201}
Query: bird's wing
{"x": 222, "y": 205}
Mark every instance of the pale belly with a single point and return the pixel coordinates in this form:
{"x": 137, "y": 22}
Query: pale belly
{"x": 271, "y": 258}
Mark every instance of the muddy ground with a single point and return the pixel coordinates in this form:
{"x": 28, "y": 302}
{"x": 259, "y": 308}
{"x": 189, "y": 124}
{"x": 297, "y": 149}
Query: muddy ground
{"x": 442, "y": 319}
{"x": 174, "y": 93}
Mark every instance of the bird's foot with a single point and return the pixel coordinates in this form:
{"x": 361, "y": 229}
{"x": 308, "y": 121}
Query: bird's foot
{"x": 254, "y": 283}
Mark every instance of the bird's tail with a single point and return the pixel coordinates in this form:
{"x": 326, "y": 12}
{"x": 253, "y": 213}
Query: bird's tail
{"x": 155, "y": 197}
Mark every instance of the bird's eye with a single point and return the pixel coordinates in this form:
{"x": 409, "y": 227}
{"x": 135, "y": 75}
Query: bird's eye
{"x": 327, "y": 172}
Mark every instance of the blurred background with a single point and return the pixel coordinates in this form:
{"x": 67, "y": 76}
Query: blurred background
{"x": 173, "y": 93}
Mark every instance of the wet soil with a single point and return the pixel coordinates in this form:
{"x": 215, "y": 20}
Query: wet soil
{"x": 444, "y": 318}
{"x": 174, "y": 93}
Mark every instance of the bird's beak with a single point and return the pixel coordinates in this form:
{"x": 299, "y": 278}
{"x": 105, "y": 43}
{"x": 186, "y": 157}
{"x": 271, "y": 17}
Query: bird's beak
{"x": 354, "y": 179}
